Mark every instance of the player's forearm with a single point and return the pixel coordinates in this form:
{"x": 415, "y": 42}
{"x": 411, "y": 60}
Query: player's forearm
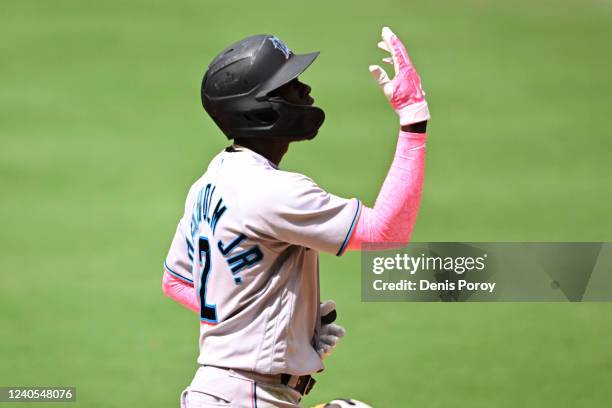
{"x": 180, "y": 291}
{"x": 394, "y": 214}
{"x": 392, "y": 219}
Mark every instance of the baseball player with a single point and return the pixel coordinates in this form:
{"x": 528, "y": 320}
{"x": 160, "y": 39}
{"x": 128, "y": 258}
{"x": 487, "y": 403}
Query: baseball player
{"x": 245, "y": 253}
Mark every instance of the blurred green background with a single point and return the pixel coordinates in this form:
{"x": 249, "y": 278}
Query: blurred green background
{"x": 102, "y": 133}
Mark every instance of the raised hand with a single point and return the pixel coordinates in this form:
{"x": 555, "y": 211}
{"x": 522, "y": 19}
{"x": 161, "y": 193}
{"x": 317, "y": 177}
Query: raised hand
{"x": 404, "y": 91}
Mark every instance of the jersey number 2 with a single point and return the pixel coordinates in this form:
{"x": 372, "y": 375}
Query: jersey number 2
{"x": 208, "y": 312}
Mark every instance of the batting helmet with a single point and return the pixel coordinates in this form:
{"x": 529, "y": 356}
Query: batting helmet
{"x": 237, "y": 85}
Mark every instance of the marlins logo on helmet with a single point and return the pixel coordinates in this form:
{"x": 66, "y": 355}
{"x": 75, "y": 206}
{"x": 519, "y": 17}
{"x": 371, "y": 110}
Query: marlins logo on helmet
{"x": 279, "y": 45}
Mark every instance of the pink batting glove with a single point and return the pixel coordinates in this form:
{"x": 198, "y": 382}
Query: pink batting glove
{"x": 404, "y": 91}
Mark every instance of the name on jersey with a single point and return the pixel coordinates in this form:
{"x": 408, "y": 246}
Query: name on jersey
{"x": 210, "y": 208}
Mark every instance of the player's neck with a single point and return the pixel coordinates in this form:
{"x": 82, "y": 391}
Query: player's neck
{"x": 271, "y": 149}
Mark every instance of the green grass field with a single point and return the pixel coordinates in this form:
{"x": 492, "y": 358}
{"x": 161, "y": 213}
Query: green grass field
{"x": 102, "y": 133}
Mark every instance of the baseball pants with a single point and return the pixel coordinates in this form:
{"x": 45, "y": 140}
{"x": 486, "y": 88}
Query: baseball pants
{"x": 221, "y": 387}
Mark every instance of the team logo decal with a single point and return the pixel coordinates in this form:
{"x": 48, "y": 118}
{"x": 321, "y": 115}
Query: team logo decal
{"x": 279, "y": 45}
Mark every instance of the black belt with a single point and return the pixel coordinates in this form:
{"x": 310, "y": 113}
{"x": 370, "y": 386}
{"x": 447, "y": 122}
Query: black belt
{"x": 302, "y": 384}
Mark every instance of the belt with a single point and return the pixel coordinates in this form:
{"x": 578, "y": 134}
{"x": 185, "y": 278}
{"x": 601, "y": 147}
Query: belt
{"x": 302, "y": 384}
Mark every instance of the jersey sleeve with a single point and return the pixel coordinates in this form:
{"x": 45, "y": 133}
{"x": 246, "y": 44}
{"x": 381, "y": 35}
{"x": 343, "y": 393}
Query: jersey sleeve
{"x": 179, "y": 259}
{"x": 299, "y": 212}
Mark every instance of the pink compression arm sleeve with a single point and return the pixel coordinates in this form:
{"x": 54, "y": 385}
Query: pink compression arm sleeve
{"x": 391, "y": 220}
{"x": 180, "y": 291}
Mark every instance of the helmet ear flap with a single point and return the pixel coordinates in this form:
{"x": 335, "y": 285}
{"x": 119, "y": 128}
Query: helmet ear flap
{"x": 263, "y": 117}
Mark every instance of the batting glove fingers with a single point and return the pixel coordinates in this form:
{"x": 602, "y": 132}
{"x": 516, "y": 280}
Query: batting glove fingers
{"x": 332, "y": 330}
{"x": 329, "y": 339}
{"x": 404, "y": 91}
{"x": 329, "y": 333}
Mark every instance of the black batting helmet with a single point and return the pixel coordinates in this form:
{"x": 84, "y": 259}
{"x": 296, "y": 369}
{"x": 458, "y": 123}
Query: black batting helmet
{"x": 237, "y": 85}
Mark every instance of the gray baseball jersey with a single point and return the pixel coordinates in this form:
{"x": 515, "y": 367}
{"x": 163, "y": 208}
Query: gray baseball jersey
{"x": 248, "y": 242}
